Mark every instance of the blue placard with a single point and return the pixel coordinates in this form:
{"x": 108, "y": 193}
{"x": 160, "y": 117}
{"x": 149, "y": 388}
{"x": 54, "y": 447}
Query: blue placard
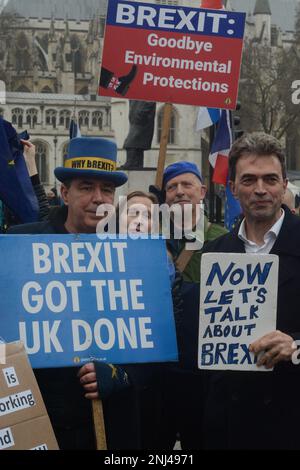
{"x": 73, "y": 298}
{"x": 178, "y": 19}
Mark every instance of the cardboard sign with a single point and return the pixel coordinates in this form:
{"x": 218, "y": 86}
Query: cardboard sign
{"x": 75, "y": 298}
{"x": 238, "y": 304}
{"x": 172, "y": 54}
{"x": 24, "y": 423}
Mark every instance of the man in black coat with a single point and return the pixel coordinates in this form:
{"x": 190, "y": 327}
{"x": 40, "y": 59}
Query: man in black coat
{"x": 130, "y": 395}
{"x": 261, "y": 410}
{"x": 89, "y": 179}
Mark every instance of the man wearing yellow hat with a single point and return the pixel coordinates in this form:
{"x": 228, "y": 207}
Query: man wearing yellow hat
{"x": 89, "y": 179}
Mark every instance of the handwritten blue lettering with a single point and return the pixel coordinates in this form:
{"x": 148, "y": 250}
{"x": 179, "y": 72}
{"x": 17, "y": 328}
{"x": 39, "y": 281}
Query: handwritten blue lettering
{"x": 236, "y": 276}
{"x": 216, "y": 271}
{"x": 218, "y": 331}
{"x": 222, "y": 353}
{"x": 245, "y": 293}
{"x": 253, "y": 310}
{"x": 228, "y": 315}
{"x": 257, "y": 272}
{"x": 261, "y": 294}
{"x": 226, "y": 297}
{"x": 208, "y": 298}
{"x": 212, "y": 311}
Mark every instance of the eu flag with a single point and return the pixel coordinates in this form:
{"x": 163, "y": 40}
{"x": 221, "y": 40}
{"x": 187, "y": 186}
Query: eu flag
{"x": 16, "y": 190}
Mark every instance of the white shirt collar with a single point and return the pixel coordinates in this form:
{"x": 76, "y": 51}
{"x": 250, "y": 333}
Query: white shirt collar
{"x": 269, "y": 237}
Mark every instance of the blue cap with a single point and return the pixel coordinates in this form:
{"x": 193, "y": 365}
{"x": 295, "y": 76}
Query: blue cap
{"x": 91, "y": 157}
{"x": 178, "y": 168}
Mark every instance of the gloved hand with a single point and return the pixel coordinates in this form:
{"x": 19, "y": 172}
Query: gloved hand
{"x": 100, "y": 380}
{"x": 110, "y": 379}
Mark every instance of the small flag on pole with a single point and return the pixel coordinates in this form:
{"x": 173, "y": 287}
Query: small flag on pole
{"x": 220, "y": 148}
{"x": 219, "y": 160}
{"x": 74, "y": 129}
{"x": 207, "y": 117}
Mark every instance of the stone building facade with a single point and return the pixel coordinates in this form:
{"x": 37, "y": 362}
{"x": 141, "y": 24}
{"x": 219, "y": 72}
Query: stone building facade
{"x": 47, "y": 119}
{"x": 51, "y": 59}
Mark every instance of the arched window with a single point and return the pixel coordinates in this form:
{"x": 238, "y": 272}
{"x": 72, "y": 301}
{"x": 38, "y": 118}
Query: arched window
{"x": 77, "y": 55}
{"x": 173, "y": 125}
{"x": 97, "y": 119}
{"x": 51, "y": 117}
{"x": 46, "y": 89}
{"x": 78, "y": 62}
{"x": 167, "y": 2}
{"x": 23, "y": 89}
{"x": 64, "y": 118}
{"x": 83, "y": 118}
{"x": 31, "y": 117}
{"x": 83, "y": 91}
{"x": 17, "y": 117}
{"x": 102, "y": 25}
{"x": 23, "y": 59}
{"x": 22, "y": 42}
{"x": 41, "y": 161}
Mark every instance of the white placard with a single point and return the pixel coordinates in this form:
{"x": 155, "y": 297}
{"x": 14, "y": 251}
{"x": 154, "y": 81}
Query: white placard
{"x": 238, "y": 302}
{"x": 17, "y": 402}
{"x": 6, "y": 439}
{"x": 40, "y": 447}
{"x": 2, "y": 353}
{"x": 10, "y": 377}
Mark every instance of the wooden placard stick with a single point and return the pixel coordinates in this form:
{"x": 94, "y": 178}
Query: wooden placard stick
{"x": 99, "y": 424}
{"x": 163, "y": 144}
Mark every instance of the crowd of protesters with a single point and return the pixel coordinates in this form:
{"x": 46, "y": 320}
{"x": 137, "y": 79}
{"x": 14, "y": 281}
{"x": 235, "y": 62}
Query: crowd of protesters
{"x": 150, "y": 406}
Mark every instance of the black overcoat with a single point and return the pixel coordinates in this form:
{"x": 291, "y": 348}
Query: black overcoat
{"x": 261, "y": 410}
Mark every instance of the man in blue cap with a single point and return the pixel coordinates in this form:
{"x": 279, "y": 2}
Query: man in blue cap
{"x": 182, "y": 186}
{"x": 89, "y": 179}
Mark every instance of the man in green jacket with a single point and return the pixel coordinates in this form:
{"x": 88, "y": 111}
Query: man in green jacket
{"x": 183, "y": 186}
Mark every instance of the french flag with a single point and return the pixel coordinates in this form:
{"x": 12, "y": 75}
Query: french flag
{"x": 220, "y": 148}
{"x": 207, "y": 117}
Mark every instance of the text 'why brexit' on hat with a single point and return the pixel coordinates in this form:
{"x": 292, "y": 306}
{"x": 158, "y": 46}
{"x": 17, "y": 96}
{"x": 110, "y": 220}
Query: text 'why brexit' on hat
{"x": 92, "y": 157}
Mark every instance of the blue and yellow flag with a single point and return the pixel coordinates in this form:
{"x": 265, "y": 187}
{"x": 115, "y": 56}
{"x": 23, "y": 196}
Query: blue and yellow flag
{"x": 233, "y": 209}
{"x": 16, "y": 190}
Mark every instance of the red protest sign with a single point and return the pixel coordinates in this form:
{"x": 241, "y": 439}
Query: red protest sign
{"x": 172, "y": 54}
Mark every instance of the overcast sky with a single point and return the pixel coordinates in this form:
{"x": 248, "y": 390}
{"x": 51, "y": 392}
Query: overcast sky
{"x": 283, "y": 11}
